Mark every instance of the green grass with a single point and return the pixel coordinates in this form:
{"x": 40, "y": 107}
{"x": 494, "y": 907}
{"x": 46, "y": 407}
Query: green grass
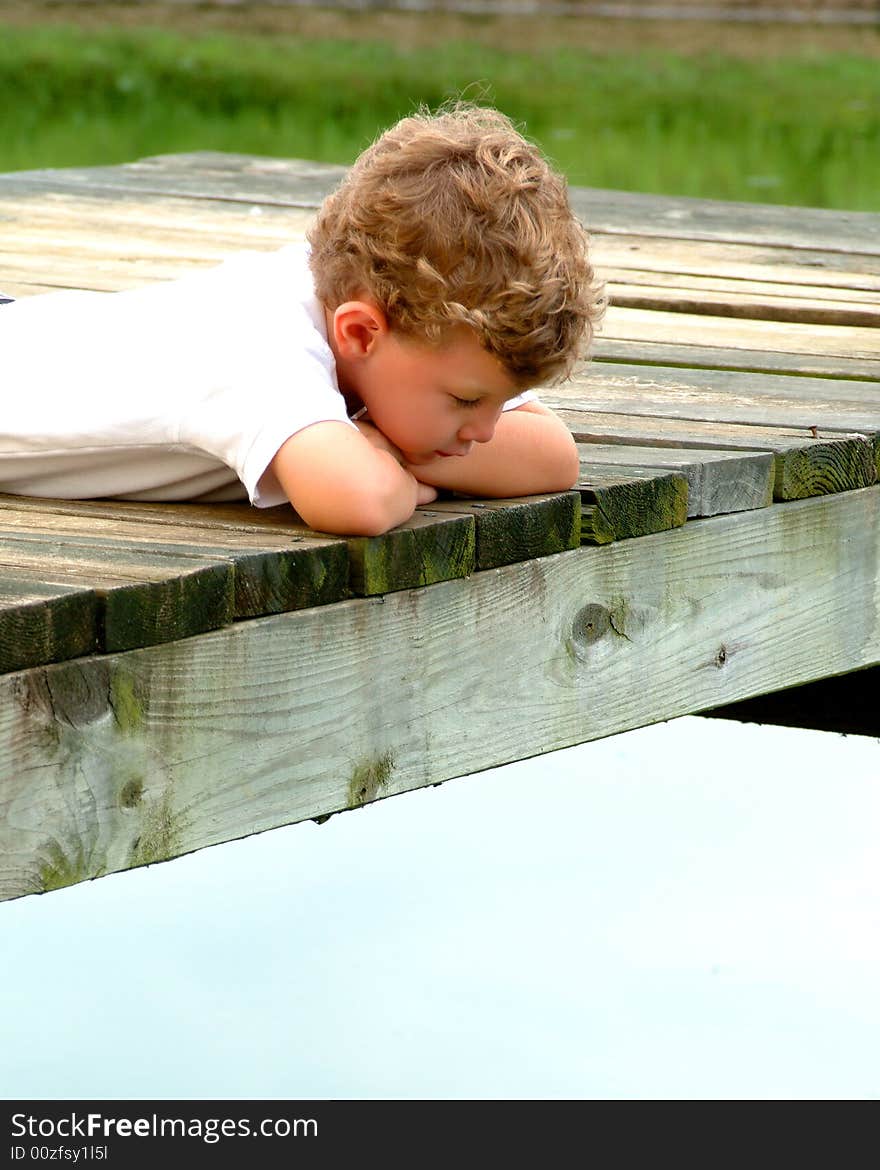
{"x": 801, "y": 130}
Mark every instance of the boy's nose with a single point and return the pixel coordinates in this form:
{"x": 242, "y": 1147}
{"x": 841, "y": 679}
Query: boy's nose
{"x": 478, "y": 430}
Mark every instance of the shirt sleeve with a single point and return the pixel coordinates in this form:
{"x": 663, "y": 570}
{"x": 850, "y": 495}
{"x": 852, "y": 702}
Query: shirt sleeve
{"x": 279, "y": 378}
{"x": 520, "y": 400}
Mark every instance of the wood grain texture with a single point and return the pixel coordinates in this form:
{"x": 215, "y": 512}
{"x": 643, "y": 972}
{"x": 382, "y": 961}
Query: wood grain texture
{"x": 722, "y": 357}
{"x": 718, "y": 481}
{"x": 632, "y": 503}
{"x": 427, "y": 548}
{"x": 757, "y": 301}
{"x": 124, "y": 760}
{"x": 146, "y": 595}
{"x": 701, "y": 330}
{"x": 517, "y": 529}
{"x": 721, "y": 397}
{"x": 708, "y": 260}
{"x": 57, "y": 241}
{"x": 42, "y": 623}
{"x": 272, "y": 572}
{"x": 682, "y": 217}
{"x": 798, "y": 463}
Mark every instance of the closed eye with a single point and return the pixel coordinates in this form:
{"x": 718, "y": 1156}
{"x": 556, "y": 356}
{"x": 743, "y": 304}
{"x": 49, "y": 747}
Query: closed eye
{"x": 466, "y": 402}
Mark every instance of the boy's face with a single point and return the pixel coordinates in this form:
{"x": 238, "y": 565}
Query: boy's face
{"x": 432, "y": 402}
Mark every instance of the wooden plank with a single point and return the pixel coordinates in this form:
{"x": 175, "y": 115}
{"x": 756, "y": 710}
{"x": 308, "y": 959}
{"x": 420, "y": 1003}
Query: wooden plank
{"x": 766, "y": 302}
{"x": 717, "y": 481}
{"x": 595, "y": 526}
{"x": 722, "y": 397}
{"x": 716, "y": 357}
{"x": 520, "y": 529}
{"x": 144, "y": 221}
{"x": 695, "y": 329}
{"x": 272, "y": 571}
{"x": 823, "y": 409}
{"x": 41, "y": 623}
{"x": 430, "y": 547}
{"x": 765, "y": 287}
{"x": 682, "y": 217}
{"x": 147, "y": 596}
{"x": 648, "y": 256}
{"x": 654, "y": 429}
{"x": 16, "y": 289}
{"x": 614, "y": 638}
{"x": 233, "y": 519}
{"x": 77, "y": 242}
{"x": 804, "y": 463}
{"x": 267, "y": 182}
{"x": 426, "y": 549}
{"x": 620, "y": 505}
{"x": 299, "y": 183}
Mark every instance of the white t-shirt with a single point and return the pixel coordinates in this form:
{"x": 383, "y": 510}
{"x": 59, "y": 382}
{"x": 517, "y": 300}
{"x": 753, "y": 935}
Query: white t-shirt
{"x": 183, "y": 390}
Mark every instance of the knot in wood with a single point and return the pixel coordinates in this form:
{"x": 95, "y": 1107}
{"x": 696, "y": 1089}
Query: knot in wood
{"x": 590, "y": 624}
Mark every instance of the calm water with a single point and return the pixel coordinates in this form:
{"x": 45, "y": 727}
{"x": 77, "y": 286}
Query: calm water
{"x": 691, "y": 910}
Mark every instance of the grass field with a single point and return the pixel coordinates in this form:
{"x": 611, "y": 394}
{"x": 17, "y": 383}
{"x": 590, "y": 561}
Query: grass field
{"x": 801, "y": 127}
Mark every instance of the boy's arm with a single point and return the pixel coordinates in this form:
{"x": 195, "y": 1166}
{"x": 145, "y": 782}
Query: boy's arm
{"x": 532, "y": 451}
{"x": 339, "y": 481}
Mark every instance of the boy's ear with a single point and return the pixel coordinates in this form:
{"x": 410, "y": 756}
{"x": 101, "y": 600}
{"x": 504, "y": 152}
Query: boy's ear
{"x": 357, "y": 326}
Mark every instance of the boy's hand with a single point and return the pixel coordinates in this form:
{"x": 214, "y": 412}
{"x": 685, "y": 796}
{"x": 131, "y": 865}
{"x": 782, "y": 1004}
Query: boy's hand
{"x": 425, "y": 494}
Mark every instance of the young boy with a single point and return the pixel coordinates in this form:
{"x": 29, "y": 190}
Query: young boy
{"x": 353, "y": 377}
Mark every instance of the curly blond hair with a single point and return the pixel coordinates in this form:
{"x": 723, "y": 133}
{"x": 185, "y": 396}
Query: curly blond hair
{"x": 453, "y": 218}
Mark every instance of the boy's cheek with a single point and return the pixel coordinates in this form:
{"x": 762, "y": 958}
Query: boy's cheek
{"x": 415, "y": 460}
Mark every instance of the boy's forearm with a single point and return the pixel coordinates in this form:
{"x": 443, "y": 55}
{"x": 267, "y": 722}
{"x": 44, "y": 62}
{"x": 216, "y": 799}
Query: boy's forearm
{"x": 531, "y": 452}
{"x": 339, "y": 483}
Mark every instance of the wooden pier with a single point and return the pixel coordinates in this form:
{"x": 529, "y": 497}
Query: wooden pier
{"x": 174, "y": 676}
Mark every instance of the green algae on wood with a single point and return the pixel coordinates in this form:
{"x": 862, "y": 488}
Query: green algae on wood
{"x": 632, "y": 504}
{"x": 595, "y": 527}
{"x": 826, "y": 467}
{"x": 426, "y": 549}
{"x": 161, "y": 831}
{"x": 368, "y": 780}
{"x": 520, "y": 528}
{"x": 125, "y": 701}
{"x": 59, "y": 869}
{"x": 42, "y": 623}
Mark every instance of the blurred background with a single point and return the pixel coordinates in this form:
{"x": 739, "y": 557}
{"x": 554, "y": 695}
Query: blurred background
{"x": 775, "y": 101}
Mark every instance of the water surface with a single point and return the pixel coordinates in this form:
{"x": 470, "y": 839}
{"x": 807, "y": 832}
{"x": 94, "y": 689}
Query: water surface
{"x": 690, "y": 910}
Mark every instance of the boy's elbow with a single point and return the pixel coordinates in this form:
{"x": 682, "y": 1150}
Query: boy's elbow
{"x": 570, "y": 472}
{"x": 358, "y": 517}
{"x": 365, "y": 510}
{"x": 555, "y": 463}
{"x": 370, "y": 518}
{"x": 563, "y": 466}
